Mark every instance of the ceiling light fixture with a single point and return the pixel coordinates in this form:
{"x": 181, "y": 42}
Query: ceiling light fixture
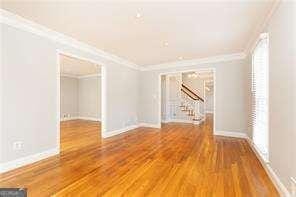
{"x": 138, "y": 15}
{"x": 193, "y": 75}
{"x": 166, "y": 44}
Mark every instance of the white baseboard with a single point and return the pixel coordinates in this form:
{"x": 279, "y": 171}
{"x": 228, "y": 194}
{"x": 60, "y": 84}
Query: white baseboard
{"x": 118, "y": 131}
{"x": 143, "y": 124}
{"x": 68, "y": 118}
{"x": 81, "y": 118}
{"x": 4, "y": 167}
{"x": 88, "y": 118}
{"x": 238, "y": 134}
{"x": 284, "y": 192}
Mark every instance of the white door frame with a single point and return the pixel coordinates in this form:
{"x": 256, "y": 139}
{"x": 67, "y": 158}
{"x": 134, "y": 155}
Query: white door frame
{"x": 182, "y": 71}
{"x": 102, "y": 83}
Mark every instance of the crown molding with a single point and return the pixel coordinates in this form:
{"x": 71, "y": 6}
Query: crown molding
{"x": 193, "y": 62}
{"x": 80, "y": 77}
{"x": 19, "y": 22}
{"x": 260, "y": 28}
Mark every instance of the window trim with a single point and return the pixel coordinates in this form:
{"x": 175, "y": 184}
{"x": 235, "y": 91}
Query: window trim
{"x": 265, "y": 157}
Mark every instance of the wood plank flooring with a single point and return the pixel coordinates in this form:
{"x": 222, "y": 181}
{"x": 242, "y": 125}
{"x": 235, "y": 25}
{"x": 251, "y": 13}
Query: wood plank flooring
{"x": 177, "y": 160}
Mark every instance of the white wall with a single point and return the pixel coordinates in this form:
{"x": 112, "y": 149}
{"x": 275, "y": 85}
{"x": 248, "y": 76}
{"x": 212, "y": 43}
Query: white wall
{"x": 80, "y": 97}
{"x": 90, "y": 97}
{"x": 69, "y": 97}
{"x": 281, "y": 91}
{"x": 231, "y": 110}
{"x": 29, "y": 93}
{"x": 209, "y": 100}
{"x": 29, "y": 79}
{"x": 282, "y": 76}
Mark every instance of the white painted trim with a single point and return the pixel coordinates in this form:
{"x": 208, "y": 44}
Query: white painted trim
{"x": 88, "y": 118}
{"x": 182, "y": 71}
{"x": 80, "y": 118}
{"x": 69, "y": 76}
{"x": 4, "y": 167}
{"x": 68, "y": 118}
{"x": 74, "y": 55}
{"x": 237, "y": 134}
{"x": 159, "y": 99}
{"x": 1, "y": 109}
{"x": 263, "y": 36}
{"x": 204, "y": 94}
{"x": 143, "y": 124}
{"x": 89, "y": 76}
{"x": 103, "y": 84}
{"x": 214, "y": 100}
{"x": 284, "y": 192}
{"x": 104, "y": 100}
{"x": 266, "y": 165}
{"x": 118, "y": 131}
{"x": 58, "y": 100}
{"x": 209, "y": 112}
{"x": 24, "y": 24}
{"x": 193, "y": 62}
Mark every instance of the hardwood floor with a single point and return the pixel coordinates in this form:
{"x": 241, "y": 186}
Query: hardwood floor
{"x": 177, "y": 160}
{"x": 78, "y": 134}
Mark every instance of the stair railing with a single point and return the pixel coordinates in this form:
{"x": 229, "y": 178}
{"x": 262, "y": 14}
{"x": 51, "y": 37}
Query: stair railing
{"x": 192, "y": 101}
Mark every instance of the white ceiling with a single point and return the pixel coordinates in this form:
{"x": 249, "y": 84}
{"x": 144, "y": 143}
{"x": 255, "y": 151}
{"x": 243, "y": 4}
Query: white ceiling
{"x": 192, "y": 29}
{"x": 76, "y": 67}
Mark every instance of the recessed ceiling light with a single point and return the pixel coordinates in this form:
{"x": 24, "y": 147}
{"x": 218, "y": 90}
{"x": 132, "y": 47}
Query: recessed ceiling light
{"x": 138, "y": 15}
{"x": 166, "y": 44}
{"x": 193, "y": 75}
{"x": 180, "y": 58}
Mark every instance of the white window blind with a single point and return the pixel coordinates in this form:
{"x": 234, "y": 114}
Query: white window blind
{"x": 260, "y": 96}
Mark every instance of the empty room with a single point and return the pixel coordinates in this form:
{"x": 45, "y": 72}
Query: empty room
{"x": 148, "y": 98}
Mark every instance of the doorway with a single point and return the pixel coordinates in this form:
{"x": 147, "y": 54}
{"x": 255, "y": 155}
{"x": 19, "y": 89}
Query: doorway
{"x": 80, "y": 103}
{"x": 188, "y": 97}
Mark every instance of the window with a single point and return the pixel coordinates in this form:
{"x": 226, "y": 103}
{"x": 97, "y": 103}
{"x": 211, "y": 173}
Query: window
{"x": 260, "y": 96}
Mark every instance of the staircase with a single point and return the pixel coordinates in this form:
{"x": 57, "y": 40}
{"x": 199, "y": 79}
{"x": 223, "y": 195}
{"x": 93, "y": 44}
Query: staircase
{"x": 190, "y": 105}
